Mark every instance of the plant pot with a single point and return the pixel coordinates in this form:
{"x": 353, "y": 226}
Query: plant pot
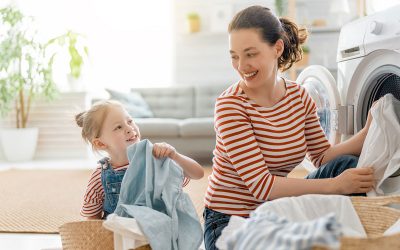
{"x": 19, "y": 144}
{"x": 75, "y": 85}
{"x": 193, "y": 25}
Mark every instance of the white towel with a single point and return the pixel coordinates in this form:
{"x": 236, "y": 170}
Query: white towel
{"x": 381, "y": 148}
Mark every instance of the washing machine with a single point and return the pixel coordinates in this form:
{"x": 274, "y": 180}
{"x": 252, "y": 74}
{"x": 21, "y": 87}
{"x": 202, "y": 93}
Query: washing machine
{"x": 368, "y": 58}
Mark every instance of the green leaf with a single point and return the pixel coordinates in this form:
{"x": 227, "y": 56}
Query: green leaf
{"x": 23, "y": 65}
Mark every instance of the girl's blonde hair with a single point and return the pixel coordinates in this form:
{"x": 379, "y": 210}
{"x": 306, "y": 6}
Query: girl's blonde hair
{"x": 91, "y": 121}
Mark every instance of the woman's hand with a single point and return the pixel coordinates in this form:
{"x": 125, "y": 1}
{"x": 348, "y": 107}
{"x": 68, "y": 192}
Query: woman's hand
{"x": 355, "y": 180}
{"x": 163, "y": 150}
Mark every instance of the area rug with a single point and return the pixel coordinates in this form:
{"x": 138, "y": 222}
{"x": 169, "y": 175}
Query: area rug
{"x": 40, "y": 201}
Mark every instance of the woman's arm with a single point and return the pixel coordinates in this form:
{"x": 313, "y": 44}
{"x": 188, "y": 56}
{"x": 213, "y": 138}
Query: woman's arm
{"x": 352, "y": 146}
{"x": 354, "y": 180}
{"x": 190, "y": 167}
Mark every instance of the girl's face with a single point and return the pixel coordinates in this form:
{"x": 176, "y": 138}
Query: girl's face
{"x": 118, "y": 131}
{"x": 255, "y": 60}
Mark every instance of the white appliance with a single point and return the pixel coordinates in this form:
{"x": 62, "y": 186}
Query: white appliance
{"x": 368, "y": 58}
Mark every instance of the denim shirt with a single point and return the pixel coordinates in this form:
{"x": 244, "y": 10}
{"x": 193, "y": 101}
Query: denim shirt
{"x": 111, "y": 181}
{"x": 151, "y": 192}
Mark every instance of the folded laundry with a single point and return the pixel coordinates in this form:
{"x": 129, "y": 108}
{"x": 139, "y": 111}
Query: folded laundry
{"x": 289, "y": 215}
{"x": 269, "y": 231}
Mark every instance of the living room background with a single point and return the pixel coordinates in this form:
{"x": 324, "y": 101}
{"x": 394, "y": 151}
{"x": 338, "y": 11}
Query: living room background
{"x": 129, "y": 42}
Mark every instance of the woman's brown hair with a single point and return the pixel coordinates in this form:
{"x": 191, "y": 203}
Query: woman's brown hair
{"x": 271, "y": 29}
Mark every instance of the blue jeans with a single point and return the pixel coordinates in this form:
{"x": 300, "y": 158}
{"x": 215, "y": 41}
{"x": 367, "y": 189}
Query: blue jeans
{"x": 334, "y": 167}
{"x": 214, "y": 222}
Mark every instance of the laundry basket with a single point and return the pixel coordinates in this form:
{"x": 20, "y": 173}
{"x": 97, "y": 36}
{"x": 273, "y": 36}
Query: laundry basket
{"x": 376, "y": 217}
{"x": 88, "y": 235}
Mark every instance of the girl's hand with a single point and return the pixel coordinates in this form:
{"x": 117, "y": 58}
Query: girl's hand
{"x": 355, "y": 180}
{"x": 163, "y": 150}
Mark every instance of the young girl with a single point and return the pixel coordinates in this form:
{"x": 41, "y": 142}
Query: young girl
{"x": 266, "y": 125}
{"x": 108, "y": 127}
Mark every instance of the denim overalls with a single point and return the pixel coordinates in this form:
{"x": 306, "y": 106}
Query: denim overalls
{"x": 111, "y": 181}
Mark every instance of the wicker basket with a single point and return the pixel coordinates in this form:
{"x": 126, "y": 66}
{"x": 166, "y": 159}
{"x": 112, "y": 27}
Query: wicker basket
{"x": 376, "y": 218}
{"x": 88, "y": 235}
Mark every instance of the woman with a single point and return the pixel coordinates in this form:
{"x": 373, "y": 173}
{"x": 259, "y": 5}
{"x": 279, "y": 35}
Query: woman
{"x": 266, "y": 125}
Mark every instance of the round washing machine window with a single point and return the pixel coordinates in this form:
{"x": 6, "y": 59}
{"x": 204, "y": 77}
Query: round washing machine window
{"x": 384, "y": 80}
{"x": 319, "y": 93}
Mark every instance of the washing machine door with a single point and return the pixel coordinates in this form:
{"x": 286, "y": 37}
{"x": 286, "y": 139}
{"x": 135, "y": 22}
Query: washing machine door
{"x": 321, "y": 86}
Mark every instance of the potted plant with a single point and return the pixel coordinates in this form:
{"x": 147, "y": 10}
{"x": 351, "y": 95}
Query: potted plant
{"x": 193, "y": 22}
{"x": 75, "y": 44}
{"x": 25, "y": 73}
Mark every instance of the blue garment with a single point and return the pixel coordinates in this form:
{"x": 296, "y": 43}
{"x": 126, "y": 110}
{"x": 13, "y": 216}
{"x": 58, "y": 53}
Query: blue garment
{"x": 111, "y": 181}
{"x": 151, "y": 192}
{"x": 215, "y": 222}
{"x": 268, "y": 231}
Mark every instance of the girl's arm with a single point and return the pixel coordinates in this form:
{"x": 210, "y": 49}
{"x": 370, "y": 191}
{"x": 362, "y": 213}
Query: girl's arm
{"x": 190, "y": 167}
{"x": 95, "y": 217}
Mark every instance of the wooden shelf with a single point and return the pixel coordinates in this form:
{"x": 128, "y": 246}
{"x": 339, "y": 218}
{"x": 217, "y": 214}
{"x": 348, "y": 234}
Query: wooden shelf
{"x": 325, "y": 29}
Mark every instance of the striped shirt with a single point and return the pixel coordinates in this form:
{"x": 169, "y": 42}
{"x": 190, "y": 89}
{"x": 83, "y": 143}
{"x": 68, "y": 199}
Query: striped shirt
{"x": 94, "y": 196}
{"x": 254, "y": 144}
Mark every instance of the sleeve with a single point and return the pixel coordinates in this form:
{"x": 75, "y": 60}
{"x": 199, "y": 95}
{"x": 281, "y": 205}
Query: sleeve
{"x": 234, "y": 128}
{"x": 316, "y": 141}
{"x": 94, "y": 196}
{"x": 186, "y": 181}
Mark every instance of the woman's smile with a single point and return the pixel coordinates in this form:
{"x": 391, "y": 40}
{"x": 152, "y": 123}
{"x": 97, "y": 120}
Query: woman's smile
{"x": 250, "y": 76}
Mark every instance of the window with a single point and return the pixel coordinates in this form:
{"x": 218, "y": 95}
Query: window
{"x": 130, "y": 42}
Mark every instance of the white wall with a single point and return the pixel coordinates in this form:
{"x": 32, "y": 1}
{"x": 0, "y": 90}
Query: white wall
{"x": 203, "y": 57}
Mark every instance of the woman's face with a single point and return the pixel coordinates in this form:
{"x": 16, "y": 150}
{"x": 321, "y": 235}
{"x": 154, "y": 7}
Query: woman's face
{"x": 255, "y": 60}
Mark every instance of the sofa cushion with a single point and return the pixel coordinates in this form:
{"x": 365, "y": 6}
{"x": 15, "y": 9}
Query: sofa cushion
{"x": 170, "y": 101}
{"x": 133, "y": 102}
{"x": 205, "y": 98}
{"x": 150, "y": 127}
{"x": 193, "y": 127}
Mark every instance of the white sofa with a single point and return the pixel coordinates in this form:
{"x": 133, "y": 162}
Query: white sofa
{"x": 183, "y": 117}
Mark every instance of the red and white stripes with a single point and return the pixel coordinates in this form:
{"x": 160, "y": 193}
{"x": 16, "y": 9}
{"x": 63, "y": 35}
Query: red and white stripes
{"x": 255, "y": 143}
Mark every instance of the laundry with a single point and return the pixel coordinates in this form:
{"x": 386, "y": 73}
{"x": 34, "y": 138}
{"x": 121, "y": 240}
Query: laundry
{"x": 312, "y": 209}
{"x": 269, "y": 231}
{"x": 151, "y": 192}
{"x": 381, "y": 148}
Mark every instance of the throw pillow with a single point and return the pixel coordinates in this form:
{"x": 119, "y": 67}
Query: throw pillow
{"x": 133, "y": 102}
